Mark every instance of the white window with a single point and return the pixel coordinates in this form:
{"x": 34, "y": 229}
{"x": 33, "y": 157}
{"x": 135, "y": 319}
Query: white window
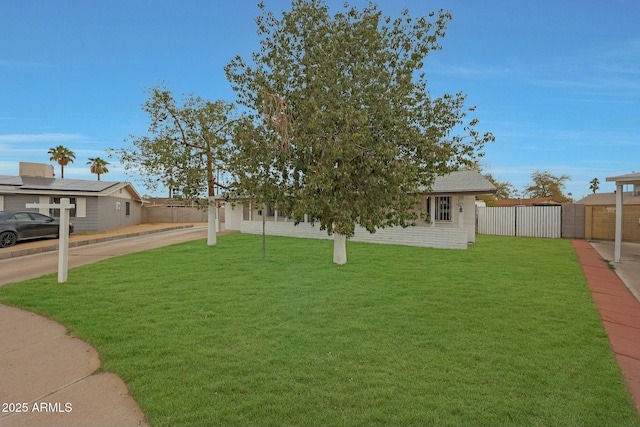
{"x": 56, "y": 212}
{"x": 443, "y": 208}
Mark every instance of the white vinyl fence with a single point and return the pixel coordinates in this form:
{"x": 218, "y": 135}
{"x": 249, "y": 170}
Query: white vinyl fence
{"x": 525, "y": 221}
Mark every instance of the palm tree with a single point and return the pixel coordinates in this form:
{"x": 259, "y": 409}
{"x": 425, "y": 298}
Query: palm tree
{"x": 63, "y": 156}
{"x": 98, "y": 166}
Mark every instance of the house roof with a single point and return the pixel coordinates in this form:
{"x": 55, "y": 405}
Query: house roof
{"x": 467, "y": 182}
{"x": 33, "y": 185}
{"x": 536, "y": 201}
{"x": 609, "y": 199}
{"x": 458, "y": 182}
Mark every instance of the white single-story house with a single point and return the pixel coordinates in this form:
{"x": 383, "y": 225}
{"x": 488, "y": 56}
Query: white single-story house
{"x": 99, "y": 205}
{"x": 450, "y": 204}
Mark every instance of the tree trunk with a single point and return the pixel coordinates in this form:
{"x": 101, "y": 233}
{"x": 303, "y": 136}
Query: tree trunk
{"x": 264, "y": 243}
{"x": 212, "y": 223}
{"x": 339, "y": 249}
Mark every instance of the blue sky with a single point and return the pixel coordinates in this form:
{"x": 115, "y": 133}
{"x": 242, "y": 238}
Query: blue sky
{"x": 557, "y": 82}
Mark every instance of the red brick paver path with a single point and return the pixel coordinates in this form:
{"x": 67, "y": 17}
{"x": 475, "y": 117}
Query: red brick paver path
{"x": 619, "y": 311}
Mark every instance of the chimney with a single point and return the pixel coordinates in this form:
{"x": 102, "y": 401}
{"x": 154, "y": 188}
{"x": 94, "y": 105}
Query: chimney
{"x": 41, "y": 170}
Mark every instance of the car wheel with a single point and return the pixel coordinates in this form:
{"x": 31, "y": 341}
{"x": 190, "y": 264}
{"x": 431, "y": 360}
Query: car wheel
{"x": 7, "y": 239}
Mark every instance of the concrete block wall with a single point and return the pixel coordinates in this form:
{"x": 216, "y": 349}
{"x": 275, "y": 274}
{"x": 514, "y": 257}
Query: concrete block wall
{"x": 428, "y": 237}
{"x": 600, "y": 223}
{"x": 432, "y": 237}
{"x": 573, "y": 221}
{"x": 163, "y": 214}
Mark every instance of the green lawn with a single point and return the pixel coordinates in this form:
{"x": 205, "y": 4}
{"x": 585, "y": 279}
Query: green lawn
{"x": 505, "y": 333}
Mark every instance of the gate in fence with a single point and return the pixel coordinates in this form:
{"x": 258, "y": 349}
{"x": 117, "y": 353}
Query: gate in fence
{"x": 524, "y": 221}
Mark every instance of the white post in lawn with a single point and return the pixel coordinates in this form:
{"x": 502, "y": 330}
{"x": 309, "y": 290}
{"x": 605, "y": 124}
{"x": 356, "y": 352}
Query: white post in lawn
{"x": 212, "y": 222}
{"x": 339, "y": 249}
{"x": 63, "y": 232}
{"x": 617, "y": 245}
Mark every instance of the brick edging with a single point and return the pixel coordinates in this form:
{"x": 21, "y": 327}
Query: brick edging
{"x": 619, "y": 311}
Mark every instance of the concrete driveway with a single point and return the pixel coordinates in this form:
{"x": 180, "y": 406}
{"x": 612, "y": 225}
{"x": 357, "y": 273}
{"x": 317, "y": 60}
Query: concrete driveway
{"x": 34, "y": 259}
{"x": 628, "y": 269}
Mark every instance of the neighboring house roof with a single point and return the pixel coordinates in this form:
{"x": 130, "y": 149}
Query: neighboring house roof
{"x": 536, "y": 201}
{"x": 609, "y": 199}
{"x": 72, "y": 187}
{"x": 467, "y": 182}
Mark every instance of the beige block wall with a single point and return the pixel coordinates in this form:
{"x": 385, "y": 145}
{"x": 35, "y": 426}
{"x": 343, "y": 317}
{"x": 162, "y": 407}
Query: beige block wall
{"x": 177, "y": 214}
{"x": 600, "y": 223}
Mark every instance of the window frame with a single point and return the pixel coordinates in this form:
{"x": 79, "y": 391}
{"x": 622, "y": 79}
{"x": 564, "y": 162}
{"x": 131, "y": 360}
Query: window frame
{"x": 443, "y": 209}
{"x": 55, "y": 213}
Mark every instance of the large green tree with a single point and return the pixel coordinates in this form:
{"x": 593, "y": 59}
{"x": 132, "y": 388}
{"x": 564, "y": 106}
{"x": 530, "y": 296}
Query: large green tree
{"x": 63, "y": 156}
{"x": 504, "y": 190}
{"x": 342, "y": 126}
{"x": 186, "y": 147}
{"x": 545, "y": 184}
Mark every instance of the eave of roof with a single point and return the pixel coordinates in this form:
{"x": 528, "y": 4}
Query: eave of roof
{"x": 631, "y": 178}
{"x": 460, "y": 182}
{"x": 469, "y": 182}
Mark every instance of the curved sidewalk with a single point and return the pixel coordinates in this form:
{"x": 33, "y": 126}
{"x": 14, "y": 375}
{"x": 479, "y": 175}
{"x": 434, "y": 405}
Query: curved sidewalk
{"x": 619, "y": 311}
{"x": 48, "y": 378}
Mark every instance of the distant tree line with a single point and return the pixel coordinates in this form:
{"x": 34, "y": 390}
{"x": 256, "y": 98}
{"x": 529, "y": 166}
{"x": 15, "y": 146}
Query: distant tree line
{"x": 543, "y": 184}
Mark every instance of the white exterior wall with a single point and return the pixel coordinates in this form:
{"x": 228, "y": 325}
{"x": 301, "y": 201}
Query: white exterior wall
{"x": 431, "y": 237}
{"x": 427, "y": 237}
{"x": 126, "y": 192}
{"x": 470, "y": 217}
{"x": 232, "y": 216}
{"x": 442, "y": 234}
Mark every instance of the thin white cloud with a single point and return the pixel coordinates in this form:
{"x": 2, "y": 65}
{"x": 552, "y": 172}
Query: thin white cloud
{"x": 40, "y": 137}
{"x": 6, "y": 63}
{"x": 592, "y": 83}
{"x": 612, "y": 69}
{"x": 8, "y": 168}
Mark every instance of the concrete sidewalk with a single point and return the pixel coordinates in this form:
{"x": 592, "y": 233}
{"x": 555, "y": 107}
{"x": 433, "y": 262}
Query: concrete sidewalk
{"x": 618, "y": 307}
{"x": 48, "y": 245}
{"x": 49, "y": 379}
